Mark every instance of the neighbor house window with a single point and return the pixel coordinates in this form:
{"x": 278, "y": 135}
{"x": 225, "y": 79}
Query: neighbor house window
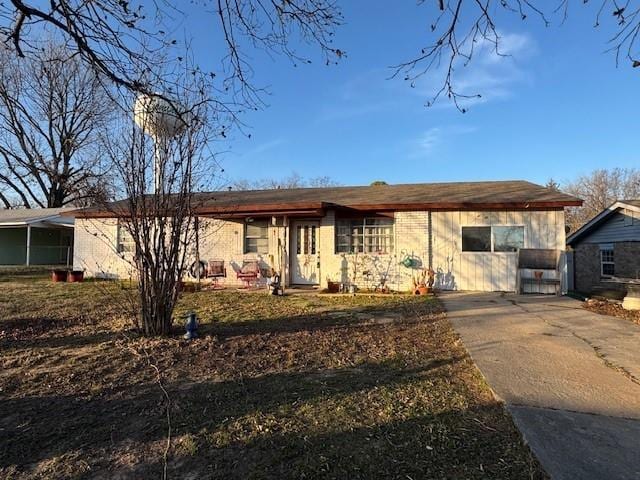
{"x": 124, "y": 241}
{"x": 493, "y": 239}
{"x": 256, "y": 237}
{"x": 365, "y": 235}
{"x": 607, "y": 266}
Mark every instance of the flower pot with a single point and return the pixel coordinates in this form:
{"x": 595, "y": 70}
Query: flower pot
{"x": 421, "y": 290}
{"x": 333, "y": 287}
{"x": 59, "y": 275}
{"x": 75, "y": 276}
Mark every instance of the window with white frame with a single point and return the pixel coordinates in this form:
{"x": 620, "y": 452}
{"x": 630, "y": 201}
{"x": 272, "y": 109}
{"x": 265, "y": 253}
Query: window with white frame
{"x": 499, "y": 238}
{"x": 364, "y": 235}
{"x": 256, "y": 236}
{"x": 124, "y": 242}
{"x": 607, "y": 264}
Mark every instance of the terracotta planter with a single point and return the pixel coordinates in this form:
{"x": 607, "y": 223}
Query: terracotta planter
{"x": 75, "y": 276}
{"x": 422, "y": 290}
{"x": 333, "y": 287}
{"x": 59, "y": 275}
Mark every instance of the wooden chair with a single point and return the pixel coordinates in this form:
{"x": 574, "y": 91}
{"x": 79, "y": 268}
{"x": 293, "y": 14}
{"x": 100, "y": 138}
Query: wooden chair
{"x": 216, "y": 270}
{"x": 249, "y": 272}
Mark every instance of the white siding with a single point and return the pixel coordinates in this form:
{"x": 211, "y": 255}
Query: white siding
{"x": 457, "y": 270}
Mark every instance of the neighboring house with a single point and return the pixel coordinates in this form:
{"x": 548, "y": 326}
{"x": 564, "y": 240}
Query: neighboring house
{"x": 468, "y": 232}
{"x": 36, "y": 236}
{"x": 606, "y": 250}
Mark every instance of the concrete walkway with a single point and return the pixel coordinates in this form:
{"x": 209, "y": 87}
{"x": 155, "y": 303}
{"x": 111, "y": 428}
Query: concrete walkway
{"x": 570, "y": 378}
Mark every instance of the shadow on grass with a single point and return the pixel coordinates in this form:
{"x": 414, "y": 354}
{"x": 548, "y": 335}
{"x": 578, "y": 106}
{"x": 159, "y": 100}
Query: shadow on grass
{"x": 24, "y": 333}
{"x": 44, "y": 427}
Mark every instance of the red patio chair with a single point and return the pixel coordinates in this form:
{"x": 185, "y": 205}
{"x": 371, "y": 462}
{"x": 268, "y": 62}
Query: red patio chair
{"x": 249, "y": 272}
{"x": 216, "y": 270}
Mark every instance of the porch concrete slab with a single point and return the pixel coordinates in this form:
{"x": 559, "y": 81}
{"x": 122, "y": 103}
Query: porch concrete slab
{"x": 569, "y": 376}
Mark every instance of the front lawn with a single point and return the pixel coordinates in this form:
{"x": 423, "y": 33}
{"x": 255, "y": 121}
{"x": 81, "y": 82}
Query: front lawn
{"x": 306, "y": 386}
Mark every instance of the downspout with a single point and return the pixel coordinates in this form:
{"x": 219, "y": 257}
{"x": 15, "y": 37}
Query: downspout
{"x": 430, "y": 240}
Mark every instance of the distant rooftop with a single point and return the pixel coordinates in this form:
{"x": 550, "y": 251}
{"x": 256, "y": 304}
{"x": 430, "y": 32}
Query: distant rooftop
{"x": 25, "y": 216}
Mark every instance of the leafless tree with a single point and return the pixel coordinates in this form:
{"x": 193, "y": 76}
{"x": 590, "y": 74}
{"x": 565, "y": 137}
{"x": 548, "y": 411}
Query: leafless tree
{"x": 52, "y": 108}
{"x": 122, "y": 39}
{"x": 599, "y": 190}
{"x": 294, "y": 180}
{"x": 160, "y": 222}
{"x": 461, "y": 28}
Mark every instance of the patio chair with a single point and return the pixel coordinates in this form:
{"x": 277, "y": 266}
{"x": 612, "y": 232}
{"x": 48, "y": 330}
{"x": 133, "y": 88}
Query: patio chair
{"x": 249, "y": 272}
{"x": 215, "y": 271}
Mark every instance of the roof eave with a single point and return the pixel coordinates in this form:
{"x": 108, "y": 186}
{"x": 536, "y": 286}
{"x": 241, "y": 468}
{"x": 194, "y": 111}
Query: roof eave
{"x": 595, "y": 221}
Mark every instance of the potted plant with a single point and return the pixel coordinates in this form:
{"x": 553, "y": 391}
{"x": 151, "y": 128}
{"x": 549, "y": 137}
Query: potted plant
{"x": 423, "y": 282}
{"x": 75, "y": 276}
{"x": 59, "y": 275}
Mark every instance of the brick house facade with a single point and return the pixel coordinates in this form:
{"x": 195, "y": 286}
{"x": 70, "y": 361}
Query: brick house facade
{"x": 606, "y": 250}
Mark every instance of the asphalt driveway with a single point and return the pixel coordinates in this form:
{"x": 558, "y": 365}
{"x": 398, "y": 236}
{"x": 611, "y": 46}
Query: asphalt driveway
{"x": 570, "y": 378}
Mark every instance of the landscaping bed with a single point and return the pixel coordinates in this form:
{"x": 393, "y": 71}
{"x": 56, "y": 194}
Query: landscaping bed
{"x": 307, "y": 386}
{"x": 612, "y": 308}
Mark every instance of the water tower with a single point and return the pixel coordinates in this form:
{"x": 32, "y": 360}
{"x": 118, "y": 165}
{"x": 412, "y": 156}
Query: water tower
{"x": 162, "y": 120}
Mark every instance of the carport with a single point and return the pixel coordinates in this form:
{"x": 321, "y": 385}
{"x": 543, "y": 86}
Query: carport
{"x": 36, "y": 237}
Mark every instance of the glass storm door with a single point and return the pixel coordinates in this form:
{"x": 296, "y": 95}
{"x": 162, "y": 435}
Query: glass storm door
{"x": 305, "y": 253}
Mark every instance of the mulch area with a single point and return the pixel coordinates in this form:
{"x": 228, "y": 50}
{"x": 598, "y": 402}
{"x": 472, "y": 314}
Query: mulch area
{"x": 612, "y": 308}
{"x": 275, "y": 388}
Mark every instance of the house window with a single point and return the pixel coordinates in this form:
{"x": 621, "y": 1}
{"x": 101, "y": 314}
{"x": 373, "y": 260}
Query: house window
{"x": 124, "y": 242}
{"x": 256, "y": 237}
{"x": 607, "y": 265}
{"x": 507, "y": 238}
{"x": 476, "y": 239}
{"x": 366, "y": 235}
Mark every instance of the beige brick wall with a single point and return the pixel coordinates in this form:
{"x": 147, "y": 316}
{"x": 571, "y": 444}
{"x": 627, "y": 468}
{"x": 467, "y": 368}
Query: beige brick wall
{"x": 224, "y": 240}
{"x": 95, "y": 249}
{"x": 410, "y": 238}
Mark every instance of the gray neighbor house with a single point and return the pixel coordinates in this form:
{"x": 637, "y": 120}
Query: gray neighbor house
{"x": 606, "y": 250}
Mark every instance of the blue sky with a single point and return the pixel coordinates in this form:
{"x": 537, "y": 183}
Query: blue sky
{"x": 557, "y": 108}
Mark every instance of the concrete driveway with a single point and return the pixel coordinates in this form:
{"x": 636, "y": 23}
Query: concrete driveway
{"x": 569, "y": 377}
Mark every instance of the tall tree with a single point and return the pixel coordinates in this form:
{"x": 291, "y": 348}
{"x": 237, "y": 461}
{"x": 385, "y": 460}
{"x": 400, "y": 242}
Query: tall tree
{"x": 52, "y": 111}
{"x": 600, "y": 189}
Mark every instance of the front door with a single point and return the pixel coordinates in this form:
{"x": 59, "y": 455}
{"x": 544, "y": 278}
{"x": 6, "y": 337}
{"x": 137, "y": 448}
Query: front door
{"x": 304, "y": 246}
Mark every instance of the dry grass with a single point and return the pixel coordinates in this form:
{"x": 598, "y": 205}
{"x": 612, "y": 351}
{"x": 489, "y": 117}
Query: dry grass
{"x": 294, "y": 387}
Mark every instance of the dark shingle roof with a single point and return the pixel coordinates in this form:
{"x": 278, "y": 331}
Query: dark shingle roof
{"x": 456, "y": 195}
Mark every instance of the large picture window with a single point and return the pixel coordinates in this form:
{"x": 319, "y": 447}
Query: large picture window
{"x": 256, "y": 237}
{"x": 364, "y": 235}
{"x": 493, "y": 239}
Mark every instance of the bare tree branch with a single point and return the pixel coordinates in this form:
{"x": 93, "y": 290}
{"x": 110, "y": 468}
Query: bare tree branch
{"x": 51, "y": 109}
